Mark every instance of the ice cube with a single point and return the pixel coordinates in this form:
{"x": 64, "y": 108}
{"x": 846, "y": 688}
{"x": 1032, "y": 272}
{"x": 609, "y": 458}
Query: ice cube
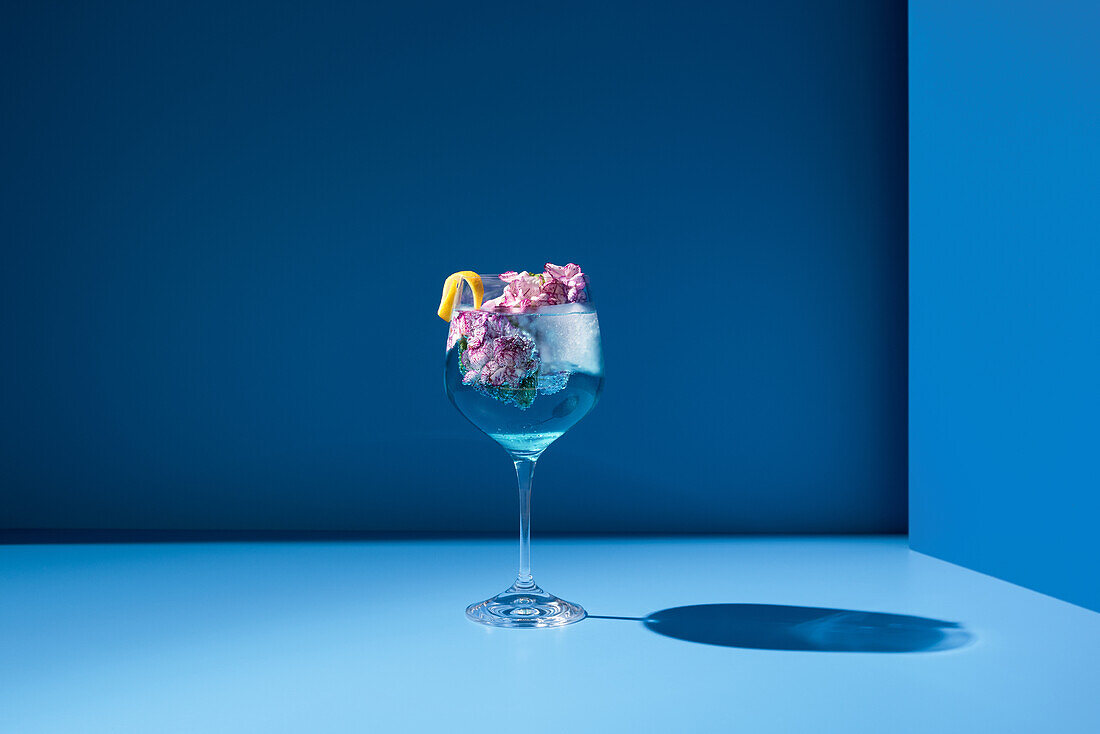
{"x": 569, "y": 342}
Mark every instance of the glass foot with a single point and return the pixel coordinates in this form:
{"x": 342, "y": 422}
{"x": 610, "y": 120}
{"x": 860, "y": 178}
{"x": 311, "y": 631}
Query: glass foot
{"x": 525, "y": 606}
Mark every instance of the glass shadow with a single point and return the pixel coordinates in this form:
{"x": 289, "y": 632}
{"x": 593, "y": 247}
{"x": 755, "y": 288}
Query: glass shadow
{"x": 780, "y": 627}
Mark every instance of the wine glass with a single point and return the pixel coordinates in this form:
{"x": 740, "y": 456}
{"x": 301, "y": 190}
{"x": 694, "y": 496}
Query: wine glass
{"x": 524, "y": 373}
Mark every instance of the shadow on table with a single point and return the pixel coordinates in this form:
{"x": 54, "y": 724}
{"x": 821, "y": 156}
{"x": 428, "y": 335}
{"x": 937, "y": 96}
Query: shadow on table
{"x": 779, "y": 627}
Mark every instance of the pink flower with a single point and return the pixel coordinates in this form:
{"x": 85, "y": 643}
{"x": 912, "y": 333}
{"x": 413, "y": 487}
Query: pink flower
{"x": 468, "y": 324}
{"x": 494, "y": 304}
{"x": 476, "y": 357}
{"x": 523, "y": 293}
{"x": 526, "y": 288}
{"x": 563, "y": 273}
{"x": 526, "y": 292}
{"x": 497, "y": 353}
{"x": 572, "y": 278}
{"x": 554, "y": 292}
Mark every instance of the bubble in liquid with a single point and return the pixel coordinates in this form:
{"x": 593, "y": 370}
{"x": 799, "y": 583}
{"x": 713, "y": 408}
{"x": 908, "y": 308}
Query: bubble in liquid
{"x": 553, "y": 382}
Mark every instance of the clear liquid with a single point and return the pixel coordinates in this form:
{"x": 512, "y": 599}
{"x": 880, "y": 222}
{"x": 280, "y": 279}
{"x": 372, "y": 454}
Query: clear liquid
{"x": 564, "y": 396}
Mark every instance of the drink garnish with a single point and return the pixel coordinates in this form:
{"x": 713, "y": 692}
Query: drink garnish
{"x": 526, "y": 292}
{"x": 496, "y": 356}
{"x": 450, "y": 292}
{"x": 498, "y": 353}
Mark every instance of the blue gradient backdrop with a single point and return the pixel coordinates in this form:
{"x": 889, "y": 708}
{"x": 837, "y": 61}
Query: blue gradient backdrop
{"x": 1005, "y": 269}
{"x": 225, "y": 226}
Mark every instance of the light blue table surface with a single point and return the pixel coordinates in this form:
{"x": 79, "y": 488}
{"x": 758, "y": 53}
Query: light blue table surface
{"x": 370, "y": 636}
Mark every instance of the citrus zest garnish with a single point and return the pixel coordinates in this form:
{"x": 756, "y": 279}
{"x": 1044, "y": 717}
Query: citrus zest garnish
{"x": 450, "y": 292}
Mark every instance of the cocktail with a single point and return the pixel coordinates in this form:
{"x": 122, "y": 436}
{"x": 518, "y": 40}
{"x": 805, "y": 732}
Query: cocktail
{"x": 523, "y": 364}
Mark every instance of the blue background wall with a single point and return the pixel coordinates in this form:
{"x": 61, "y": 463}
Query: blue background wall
{"x": 225, "y": 226}
{"x": 1005, "y": 331}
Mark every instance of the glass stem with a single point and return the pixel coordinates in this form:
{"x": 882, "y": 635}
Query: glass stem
{"x": 525, "y": 473}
